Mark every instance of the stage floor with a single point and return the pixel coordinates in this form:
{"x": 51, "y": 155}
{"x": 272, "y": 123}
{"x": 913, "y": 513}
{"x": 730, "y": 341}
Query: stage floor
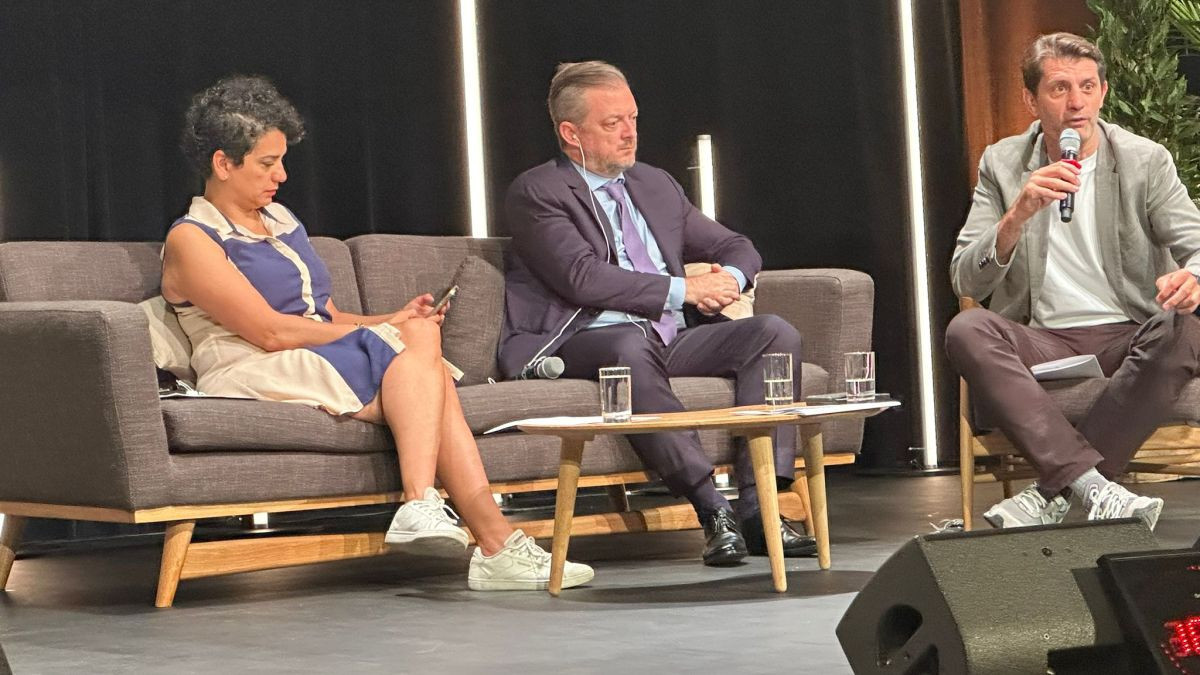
{"x": 652, "y": 605}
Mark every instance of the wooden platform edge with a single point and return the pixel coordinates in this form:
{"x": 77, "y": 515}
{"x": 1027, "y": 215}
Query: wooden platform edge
{"x": 167, "y": 514}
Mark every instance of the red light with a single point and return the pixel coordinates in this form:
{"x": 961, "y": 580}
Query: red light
{"x": 1184, "y": 639}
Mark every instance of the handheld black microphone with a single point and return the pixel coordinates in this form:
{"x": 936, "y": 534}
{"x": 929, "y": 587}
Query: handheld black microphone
{"x": 1068, "y": 145}
{"x": 544, "y": 368}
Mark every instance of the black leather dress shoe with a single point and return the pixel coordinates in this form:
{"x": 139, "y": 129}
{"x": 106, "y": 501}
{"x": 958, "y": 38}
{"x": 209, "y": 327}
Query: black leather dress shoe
{"x": 795, "y": 544}
{"x": 723, "y": 542}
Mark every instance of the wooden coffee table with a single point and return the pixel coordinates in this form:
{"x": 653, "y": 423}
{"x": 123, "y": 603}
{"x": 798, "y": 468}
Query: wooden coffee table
{"x": 757, "y": 430}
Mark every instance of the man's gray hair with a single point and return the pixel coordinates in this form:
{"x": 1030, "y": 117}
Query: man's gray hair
{"x": 570, "y": 82}
{"x": 1057, "y": 46}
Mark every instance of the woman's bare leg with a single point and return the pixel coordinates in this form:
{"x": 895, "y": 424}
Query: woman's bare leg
{"x": 461, "y": 472}
{"x": 412, "y": 402}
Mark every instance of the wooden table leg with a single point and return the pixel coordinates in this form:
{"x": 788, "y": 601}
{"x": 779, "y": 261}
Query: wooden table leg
{"x": 814, "y": 469}
{"x": 762, "y": 456}
{"x": 564, "y": 508}
{"x": 10, "y": 536}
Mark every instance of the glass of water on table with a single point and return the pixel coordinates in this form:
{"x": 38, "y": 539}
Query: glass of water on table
{"x": 860, "y": 376}
{"x": 616, "y": 394}
{"x": 777, "y": 379}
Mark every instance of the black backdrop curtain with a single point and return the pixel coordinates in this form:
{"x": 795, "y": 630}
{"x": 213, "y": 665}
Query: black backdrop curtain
{"x": 92, "y": 96}
{"x": 803, "y": 100}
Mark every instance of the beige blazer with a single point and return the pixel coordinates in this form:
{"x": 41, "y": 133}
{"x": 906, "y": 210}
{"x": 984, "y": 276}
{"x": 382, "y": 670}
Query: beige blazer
{"x": 1148, "y": 225}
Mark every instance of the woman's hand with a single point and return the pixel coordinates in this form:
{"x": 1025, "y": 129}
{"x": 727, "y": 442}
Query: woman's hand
{"x": 423, "y": 305}
{"x": 411, "y": 314}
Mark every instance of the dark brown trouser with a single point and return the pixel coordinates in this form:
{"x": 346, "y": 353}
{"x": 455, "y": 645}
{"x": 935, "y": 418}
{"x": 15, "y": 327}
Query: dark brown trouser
{"x": 1147, "y": 365}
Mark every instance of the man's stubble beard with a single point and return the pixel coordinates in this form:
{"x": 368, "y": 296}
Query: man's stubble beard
{"x": 613, "y": 168}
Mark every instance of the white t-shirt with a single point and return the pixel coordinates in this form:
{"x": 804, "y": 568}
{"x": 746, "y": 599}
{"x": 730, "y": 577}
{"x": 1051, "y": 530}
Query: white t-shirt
{"x": 1075, "y": 291}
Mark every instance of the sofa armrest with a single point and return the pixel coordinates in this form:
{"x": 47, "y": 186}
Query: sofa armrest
{"x": 79, "y": 406}
{"x": 832, "y": 309}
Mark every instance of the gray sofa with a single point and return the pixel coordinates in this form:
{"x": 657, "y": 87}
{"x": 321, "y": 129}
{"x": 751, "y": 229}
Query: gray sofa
{"x": 85, "y": 435}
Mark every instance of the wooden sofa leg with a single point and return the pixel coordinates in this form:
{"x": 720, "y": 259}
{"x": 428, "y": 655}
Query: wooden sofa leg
{"x": 10, "y": 536}
{"x": 800, "y": 487}
{"x": 175, "y": 545}
{"x": 618, "y": 497}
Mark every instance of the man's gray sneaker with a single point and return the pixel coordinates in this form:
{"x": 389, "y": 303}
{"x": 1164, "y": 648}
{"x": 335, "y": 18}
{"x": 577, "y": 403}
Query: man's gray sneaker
{"x": 1028, "y": 507}
{"x": 1114, "y": 501}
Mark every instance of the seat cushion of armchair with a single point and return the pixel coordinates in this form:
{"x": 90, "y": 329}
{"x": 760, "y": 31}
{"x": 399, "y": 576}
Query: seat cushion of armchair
{"x": 215, "y": 424}
{"x": 1076, "y": 397}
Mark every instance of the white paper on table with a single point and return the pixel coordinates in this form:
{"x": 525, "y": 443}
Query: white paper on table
{"x": 563, "y": 421}
{"x": 811, "y": 410}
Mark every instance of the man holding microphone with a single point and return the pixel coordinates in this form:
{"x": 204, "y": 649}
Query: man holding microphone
{"x": 1113, "y": 274}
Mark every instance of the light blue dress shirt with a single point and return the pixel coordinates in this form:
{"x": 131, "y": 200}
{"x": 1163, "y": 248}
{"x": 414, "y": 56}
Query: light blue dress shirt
{"x": 608, "y": 205}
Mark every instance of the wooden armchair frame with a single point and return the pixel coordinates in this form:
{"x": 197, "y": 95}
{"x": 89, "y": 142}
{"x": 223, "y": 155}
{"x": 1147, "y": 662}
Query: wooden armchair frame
{"x": 1173, "y": 449}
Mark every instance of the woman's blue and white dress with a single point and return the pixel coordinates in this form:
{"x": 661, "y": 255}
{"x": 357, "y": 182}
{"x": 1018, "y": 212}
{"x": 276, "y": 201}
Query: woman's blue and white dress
{"x": 341, "y": 376}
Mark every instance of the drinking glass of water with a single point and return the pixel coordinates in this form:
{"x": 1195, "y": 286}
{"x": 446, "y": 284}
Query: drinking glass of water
{"x": 777, "y": 378}
{"x": 616, "y": 400}
{"x": 860, "y": 376}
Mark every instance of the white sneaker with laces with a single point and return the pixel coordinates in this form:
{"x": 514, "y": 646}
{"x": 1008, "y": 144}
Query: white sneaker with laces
{"x": 1028, "y": 507}
{"x": 428, "y": 522}
{"x": 521, "y": 565}
{"x": 1114, "y": 501}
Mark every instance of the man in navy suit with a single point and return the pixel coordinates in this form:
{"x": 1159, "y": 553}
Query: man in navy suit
{"x": 596, "y": 277}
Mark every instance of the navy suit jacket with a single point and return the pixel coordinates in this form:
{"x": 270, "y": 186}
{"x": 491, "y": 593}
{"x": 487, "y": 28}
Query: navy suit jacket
{"x": 560, "y": 261}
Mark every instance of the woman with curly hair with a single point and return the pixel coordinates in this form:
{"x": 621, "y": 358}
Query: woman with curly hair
{"x": 253, "y": 297}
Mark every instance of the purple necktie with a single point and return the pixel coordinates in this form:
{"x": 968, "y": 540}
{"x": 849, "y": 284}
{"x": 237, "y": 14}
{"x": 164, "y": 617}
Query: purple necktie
{"x": 635, "y": 249}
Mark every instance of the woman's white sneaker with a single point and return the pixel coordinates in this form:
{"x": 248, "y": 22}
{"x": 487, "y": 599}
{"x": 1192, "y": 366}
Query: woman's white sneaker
{"x": 521, "y": 565}
{"x": 428, "y": 524}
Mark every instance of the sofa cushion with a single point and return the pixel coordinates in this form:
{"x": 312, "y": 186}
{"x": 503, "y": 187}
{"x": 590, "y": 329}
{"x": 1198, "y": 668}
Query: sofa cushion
{"x": 220, "y": 424}
{"x": 471, "y": 330}
{"x": 395, "y": 268}
{"x": 336, "y": 256}
{"x": 79, "y": 270}
{"x": 170, "y": 345}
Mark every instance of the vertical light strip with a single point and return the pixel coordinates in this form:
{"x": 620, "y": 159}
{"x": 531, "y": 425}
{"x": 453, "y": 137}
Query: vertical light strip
{"x": 473, "y": 114}
{"x": 708, "y": 181}
{"x": 920, "y": 262}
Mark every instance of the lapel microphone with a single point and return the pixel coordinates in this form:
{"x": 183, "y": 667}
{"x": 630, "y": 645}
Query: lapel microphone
{"x": 1068, "y": 145}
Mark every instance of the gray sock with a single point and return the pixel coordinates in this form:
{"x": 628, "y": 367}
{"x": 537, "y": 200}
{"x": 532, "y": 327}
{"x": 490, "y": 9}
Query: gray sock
{"x": 1083, "y": 486}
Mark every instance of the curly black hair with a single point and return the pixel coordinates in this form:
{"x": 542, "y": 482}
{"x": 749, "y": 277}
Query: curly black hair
{"x": 232, "y": 115}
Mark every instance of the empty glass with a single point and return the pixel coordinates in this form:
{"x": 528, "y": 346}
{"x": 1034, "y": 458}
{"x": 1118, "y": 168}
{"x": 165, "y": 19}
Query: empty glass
{"x": 777, "y": 379}
{"x": 616, "y": 399}
{"x": 860, "y": 376}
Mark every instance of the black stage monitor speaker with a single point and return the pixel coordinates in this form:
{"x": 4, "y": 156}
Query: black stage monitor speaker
{"x": 994, "y": 601}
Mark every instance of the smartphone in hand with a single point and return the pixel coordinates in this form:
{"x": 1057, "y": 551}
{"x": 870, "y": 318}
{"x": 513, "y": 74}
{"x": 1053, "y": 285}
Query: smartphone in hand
{"x": 445, "y": 298}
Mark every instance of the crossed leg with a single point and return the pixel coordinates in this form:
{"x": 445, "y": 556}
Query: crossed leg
{"x": 418, "y": 402}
